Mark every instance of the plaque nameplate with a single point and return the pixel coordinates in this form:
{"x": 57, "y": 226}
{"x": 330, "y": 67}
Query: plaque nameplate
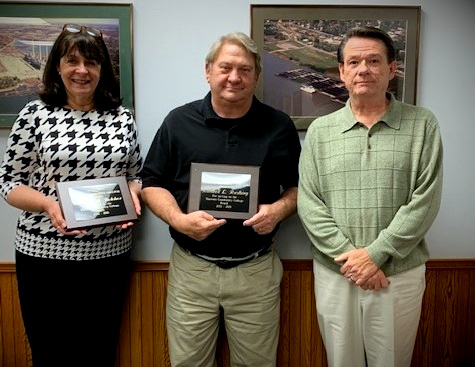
{"x": 95, "y": 202}
{"x": 224, "y": 191}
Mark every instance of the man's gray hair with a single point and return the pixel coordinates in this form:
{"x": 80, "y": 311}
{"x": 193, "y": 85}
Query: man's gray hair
{"x": 237, "y": 38}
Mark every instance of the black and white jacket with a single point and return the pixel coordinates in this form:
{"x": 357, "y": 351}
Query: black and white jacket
{"x": 47, "y": 145}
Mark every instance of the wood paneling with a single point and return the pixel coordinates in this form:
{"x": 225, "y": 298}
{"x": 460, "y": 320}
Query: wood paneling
{"x": 143, "y": 341}
{"x": 446, "y": 335}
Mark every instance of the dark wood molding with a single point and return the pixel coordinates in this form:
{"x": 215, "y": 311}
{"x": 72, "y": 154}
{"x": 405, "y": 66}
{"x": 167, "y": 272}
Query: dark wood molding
{"x": 289, "y": 264}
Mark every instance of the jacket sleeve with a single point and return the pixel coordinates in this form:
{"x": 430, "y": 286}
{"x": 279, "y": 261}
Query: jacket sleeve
{"x": 317, "y": 220}
{"x": 21, "y": 155}
{"x": 413, "y": 220}
{"x": 135, "y": 159}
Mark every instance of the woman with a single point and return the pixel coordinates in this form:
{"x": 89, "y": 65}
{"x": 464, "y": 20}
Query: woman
{"x": 71, "y": 283}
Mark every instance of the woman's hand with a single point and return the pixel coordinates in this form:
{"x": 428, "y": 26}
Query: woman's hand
{"x": 55, "y": 214}
{"x": 26, "y": 198}
{"x": 135, "y": 188}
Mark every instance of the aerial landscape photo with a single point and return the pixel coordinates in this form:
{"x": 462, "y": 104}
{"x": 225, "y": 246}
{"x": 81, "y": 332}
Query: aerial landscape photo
{"x": 25, "y": 44}
{"x": 300, "y": 70}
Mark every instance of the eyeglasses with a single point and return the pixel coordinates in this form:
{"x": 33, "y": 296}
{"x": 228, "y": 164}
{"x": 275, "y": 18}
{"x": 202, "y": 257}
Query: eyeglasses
{"x": 76, "y": 28}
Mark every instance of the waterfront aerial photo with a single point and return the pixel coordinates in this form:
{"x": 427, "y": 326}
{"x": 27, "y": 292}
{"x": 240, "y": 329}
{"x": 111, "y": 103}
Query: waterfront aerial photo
{"x": 25, "y": 44}
{"x": 300, "y": 70}
{"x": 225, "y": 191}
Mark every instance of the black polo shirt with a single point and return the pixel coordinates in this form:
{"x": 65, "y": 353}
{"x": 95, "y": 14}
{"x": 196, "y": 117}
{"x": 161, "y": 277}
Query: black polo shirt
{"x": 264, "y": 137}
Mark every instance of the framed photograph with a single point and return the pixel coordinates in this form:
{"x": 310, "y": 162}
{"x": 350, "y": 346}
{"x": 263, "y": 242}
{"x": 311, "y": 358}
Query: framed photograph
{"x": 224, "y": 191}
{"x": 298, "y": 46}
{"x": 27, "y": 33}
{"x": 97, "y": 202}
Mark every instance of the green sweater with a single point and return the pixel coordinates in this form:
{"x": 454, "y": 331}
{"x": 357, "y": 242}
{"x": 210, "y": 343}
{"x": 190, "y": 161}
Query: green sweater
{"x": 377, "y": 188}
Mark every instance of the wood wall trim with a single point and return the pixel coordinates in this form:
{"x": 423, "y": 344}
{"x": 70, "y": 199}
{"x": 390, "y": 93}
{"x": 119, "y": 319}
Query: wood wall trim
{"x": 289, "y": 264}
{"x": 7, "y": 267}
{"x": 150, "y": 265}
{"x": 451, "y": 264}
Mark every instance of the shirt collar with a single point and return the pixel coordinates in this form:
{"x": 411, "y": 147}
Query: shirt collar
{"x": 391, "y": 118}
{"x": 211, "y": 117}
{"x": 208, "y": 112}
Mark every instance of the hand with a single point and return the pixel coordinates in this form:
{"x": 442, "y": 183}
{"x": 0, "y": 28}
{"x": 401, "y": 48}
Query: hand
{"x": 197, "y": 225}
{"x": 357, "y": 265}
{"x": 264, "y": 221}
{"x": 135, "y": 191}
{"x": 376, "y": 282}
{"x": 55, "y": 214}
{"x": 125, "y": 225}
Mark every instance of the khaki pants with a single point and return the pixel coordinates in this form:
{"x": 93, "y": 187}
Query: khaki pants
{"x": 247, "y": 295}
{"x": 379, "y": 326}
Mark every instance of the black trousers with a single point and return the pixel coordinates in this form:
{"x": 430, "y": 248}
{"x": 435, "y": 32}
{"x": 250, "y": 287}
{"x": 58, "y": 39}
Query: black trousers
{"x": 72, "y": 309}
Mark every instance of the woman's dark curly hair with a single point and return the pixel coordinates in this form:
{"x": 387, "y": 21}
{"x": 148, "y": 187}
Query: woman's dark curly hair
{"x": 107, "y": 93}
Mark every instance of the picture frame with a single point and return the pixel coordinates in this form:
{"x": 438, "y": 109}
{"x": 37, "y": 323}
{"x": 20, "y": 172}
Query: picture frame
{"x": 95, "y": 202}
{"x": 28, "y": 31}
{"x": 224, "y": 190}
{"x": 298, "y": 45}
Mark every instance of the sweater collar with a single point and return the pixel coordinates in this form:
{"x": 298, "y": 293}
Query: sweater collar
{"x": 391, "y": 118}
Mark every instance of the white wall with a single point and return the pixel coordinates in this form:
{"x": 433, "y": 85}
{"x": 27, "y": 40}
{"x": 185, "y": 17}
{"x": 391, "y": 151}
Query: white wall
{"x": 171, "y": 39}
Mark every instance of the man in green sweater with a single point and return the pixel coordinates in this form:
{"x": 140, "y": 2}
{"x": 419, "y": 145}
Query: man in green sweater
{"x": 370, "y": 188}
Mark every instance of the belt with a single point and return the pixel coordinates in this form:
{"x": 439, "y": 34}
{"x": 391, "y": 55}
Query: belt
{"x": 231, "y": 262}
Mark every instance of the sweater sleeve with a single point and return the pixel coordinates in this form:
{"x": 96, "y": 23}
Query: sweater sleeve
{"x": 21, "y": 154}
{"x": 413, "y": 220}
{"x": 315, "y": 216}
{"x": 135, "y": 158}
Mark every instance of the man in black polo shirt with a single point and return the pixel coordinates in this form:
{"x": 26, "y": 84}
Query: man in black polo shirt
{"x": 224, "y": 264}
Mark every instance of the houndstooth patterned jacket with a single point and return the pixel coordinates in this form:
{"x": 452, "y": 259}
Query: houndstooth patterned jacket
{"x": 49, "y": 144}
